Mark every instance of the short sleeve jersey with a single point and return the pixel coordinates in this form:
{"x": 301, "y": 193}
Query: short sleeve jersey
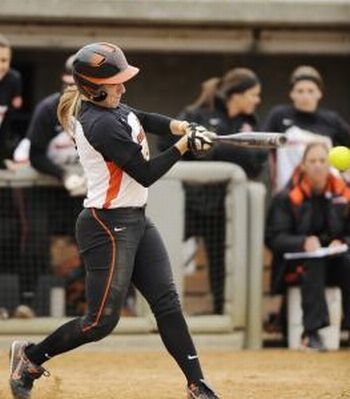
{"x": 107, "y": 139}
{"x": 10, "y": 87}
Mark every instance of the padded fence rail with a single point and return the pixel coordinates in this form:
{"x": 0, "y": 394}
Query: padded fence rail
{"x": 256, "y": 212}
{"x": 161, "y": 205}
{"x": 244, "y": 204}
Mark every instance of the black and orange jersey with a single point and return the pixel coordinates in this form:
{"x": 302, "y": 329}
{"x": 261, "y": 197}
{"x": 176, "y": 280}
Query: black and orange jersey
{"x": 114, "y": 153}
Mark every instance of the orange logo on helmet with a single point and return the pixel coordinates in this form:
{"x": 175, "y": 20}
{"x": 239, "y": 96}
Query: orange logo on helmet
{"x": 97, "y": 59}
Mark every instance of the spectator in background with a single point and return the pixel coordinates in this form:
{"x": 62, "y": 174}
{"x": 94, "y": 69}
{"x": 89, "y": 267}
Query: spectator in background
{"x": 225, "y": 105}
{"x": 10, "y": 100}
{"x": 47, "y": 146}
{"x": 10, "y": 96}
{"x": 303, "y": 121}
{"x": 311, "y": 212}
{"x": 49, "y": 211}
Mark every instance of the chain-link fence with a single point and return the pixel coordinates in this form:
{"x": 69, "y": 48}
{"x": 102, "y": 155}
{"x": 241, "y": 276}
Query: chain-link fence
{"x": 40, "y": 265}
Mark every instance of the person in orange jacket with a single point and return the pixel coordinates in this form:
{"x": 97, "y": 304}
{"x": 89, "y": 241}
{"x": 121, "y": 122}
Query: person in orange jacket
{"x": 310, "y": 213}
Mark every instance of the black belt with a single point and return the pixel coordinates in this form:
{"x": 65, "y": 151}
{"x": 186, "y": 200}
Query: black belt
{"x": 123, "y": 209}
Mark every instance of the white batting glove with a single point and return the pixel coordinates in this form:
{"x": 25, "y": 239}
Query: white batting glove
{"x": 200, "y": 140}
{"x": 75, "y": 185}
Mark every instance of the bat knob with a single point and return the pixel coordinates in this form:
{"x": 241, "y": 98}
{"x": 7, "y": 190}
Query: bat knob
{"x": 282, "y": 140}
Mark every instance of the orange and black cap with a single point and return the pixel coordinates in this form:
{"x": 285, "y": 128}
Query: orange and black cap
{"x": 103, "y": 63}
{"x": 97, "y": 64}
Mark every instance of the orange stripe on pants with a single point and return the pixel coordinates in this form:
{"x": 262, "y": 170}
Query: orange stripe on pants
{"x": 111, "y": 271}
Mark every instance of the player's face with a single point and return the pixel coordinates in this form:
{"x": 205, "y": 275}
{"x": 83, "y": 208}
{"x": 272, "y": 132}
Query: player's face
{"x": 5, "y": 59}
{"x": 316, "y": 166}
{"x": 306, "y": 95}
{"x": 114, "y": 94}
{"x": 246, "y": 102}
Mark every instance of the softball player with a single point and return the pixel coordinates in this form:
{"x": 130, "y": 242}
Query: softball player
{"x": 118, "y": 243}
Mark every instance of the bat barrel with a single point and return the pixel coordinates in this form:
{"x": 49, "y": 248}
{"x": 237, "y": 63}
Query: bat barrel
{"x": 255, "y": 139}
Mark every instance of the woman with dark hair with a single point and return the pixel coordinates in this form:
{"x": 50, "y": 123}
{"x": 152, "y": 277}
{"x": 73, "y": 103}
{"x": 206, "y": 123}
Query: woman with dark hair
{"x": 225, "y": 105}
{"x": 303, "y": 121}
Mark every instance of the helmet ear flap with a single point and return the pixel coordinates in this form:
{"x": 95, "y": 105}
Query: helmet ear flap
{"x": 91, "y": 90}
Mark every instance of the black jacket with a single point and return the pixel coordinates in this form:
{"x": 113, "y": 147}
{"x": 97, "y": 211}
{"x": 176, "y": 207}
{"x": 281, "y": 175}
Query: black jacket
{"x": 322, "y": 121}
{"x": 43, "y": 127}
{"x": 289, "y": 223}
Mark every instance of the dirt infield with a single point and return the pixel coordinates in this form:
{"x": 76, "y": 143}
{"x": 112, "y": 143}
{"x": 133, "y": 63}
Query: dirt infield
{"x": 268, "y": 374}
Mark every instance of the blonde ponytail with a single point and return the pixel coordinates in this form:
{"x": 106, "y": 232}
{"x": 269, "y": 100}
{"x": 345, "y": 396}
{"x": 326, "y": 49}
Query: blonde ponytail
{"x": 68, "y": 107}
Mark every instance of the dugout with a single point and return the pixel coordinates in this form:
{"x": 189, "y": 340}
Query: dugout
{"x": 180, "y": 43}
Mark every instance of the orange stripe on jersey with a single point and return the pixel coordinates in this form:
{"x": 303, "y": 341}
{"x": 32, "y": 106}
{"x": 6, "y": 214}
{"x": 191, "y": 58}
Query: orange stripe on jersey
{"x": 110, "y": 275}
{"x": 115, "y": 179}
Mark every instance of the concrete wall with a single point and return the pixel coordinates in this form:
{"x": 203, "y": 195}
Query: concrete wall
{"x": 179, "y": 43}
{"x": 243, "y": 12}
{"x": 269, "y": 26}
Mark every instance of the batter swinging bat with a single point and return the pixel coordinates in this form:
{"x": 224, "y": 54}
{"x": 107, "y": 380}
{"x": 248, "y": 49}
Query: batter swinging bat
{"x": 254, "y": 139}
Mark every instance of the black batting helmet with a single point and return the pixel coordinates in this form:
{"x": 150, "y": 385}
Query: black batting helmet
{"x": 98, "y": 64}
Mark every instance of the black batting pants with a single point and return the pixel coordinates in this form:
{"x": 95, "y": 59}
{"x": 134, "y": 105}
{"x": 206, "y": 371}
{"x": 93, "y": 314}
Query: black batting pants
{"x": 120, "y": 246}
{"x": 318, "y": 273}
